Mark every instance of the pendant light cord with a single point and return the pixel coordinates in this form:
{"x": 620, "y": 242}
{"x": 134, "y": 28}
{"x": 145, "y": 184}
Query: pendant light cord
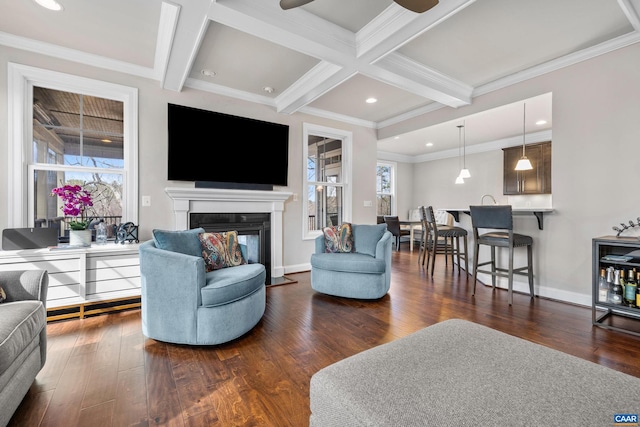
{"x": 524, "y": 121}
{"x": 464, "y": 145}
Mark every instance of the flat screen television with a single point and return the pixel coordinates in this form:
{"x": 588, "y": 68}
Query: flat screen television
{"x": 225, "y": 151}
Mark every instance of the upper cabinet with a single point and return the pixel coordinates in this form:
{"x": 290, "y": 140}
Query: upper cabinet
{"x": 534, "y": 181}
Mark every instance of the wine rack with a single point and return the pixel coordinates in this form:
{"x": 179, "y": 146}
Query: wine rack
{"x": 613, "y": 251}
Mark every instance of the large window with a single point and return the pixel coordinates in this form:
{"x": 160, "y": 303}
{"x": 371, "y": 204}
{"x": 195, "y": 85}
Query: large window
{"x": 71, "y": 130}
{"x": 327, "y": 175}
{"x": 385, "y": 188}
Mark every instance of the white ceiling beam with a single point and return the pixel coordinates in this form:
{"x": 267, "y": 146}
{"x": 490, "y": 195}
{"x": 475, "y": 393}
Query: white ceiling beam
{"x": 301, "y": 31}
{"x": 295, "y": 29}
{"x": 189, "y": 31}
{"x": 400, "y": 71}
{"x": 631, "y": 9}
{"x": 169, "y": 13}
{"x": 317, "y": 81}
{"x": 396, "y": 26}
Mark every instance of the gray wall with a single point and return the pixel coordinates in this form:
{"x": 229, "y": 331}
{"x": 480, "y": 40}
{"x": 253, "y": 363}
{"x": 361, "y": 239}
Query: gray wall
{"x": 153, "y": 149}
{"x": 595, "y": 171}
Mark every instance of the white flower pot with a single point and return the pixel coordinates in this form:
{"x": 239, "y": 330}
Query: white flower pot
{"x": 80, "y": 237}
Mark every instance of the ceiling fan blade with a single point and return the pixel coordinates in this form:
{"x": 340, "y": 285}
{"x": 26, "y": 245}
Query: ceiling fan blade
{"x": 290, "y": 4}
{"x": 417, "y": 6}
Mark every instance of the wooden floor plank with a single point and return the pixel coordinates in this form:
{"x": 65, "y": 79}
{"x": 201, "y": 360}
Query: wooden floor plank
{"x": 97, "y": 415}
{"x": 97, "y": 368}
{"x": 102, "y": 385}
{"x": 131, "y": 407}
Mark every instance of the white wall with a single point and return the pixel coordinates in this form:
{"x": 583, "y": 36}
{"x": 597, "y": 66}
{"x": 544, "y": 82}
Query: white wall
{"x": 153, "y": 150}
{"x": 595, "y": 166}
{"x": 404, "y": 189}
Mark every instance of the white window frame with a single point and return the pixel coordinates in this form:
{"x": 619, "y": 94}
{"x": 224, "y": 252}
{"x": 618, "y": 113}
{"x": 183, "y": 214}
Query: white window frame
{"x": 347, "y": 149}
{"x": 21, "y": 80}
{"x": 394, "y": 174}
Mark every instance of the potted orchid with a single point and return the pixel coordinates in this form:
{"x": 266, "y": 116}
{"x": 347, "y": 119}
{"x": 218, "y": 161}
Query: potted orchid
{"x": 75, "y": 201}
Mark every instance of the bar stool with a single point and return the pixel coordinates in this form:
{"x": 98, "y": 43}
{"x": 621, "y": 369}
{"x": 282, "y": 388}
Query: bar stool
{"x": 440, "y": 239}
{"x": 499, "y": 217}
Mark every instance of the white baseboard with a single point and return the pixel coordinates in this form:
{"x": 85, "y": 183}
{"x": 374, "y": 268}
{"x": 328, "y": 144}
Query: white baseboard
{"x": 299, "y": 268}
{"x": 519, "y": 286}
{"x": 541, "y": 290}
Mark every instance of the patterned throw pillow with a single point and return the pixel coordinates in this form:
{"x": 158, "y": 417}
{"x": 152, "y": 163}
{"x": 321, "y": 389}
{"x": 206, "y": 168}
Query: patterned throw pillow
{"x": 338, "y": 238}
{"x": 221, "y": 250}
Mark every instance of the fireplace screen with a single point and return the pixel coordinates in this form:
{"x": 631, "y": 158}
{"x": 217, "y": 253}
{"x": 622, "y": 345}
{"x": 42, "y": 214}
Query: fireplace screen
{"x": 254, "y": 230}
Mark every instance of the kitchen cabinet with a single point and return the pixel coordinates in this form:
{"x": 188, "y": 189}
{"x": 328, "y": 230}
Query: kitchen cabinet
{"x": 534, "y": 181}
{"x": 619, "y": 253}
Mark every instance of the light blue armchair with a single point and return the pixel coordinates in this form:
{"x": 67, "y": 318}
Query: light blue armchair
{"x": 363, "y": 274}
{"x": 183, "y": 304}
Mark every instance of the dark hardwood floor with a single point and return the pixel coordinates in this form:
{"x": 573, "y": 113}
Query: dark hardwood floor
{"x": 101, "y": 371}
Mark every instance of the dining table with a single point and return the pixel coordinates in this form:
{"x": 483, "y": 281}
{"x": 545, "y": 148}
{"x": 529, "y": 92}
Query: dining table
{"x": 412, "y": 225}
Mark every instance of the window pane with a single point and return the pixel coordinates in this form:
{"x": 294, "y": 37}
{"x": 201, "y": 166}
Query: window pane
{"x": 324, "y": 159}
{"x": 384, "y": 205}
{"x": 325, "y": 206}
{"x": 106, "y": 192}
{"x": 383, "y": 181}
{"x": 81, "y": 130}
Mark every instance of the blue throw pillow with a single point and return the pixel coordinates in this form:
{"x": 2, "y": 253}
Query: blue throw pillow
{"x": 366, "y": 237}
{"x": 185, "y": 241}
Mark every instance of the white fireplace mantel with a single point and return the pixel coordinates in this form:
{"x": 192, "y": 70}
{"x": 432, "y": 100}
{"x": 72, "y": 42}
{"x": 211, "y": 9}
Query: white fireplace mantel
{"x": 213, "y": 200}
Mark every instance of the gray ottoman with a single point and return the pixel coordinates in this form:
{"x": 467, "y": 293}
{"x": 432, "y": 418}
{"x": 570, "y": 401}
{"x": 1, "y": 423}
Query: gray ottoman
{"x": 458, "y": 373}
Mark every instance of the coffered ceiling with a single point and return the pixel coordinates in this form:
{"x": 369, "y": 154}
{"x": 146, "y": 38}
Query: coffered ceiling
{"x": 327, "y": 57}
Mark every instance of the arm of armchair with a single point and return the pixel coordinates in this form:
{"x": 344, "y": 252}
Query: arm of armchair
{"x": 25, "y": 285}
{"x": 171, "y": 279}
{"x": 170, "y": 289}
{"x": 320, "y": 245}
{"x": 383, "y": 247}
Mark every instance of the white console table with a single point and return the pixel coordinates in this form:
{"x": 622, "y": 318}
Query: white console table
{"x": 82, "y": 277}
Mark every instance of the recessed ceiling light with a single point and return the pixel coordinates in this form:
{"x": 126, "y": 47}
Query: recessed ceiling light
{"x": 371, "y": 100}
{"x": 208, "y": 73}
{"x": 541, "y": 122}
{"x": 50, "y": 4}
{"x": 268, "y": 89}
{"x": 429, "y": 144}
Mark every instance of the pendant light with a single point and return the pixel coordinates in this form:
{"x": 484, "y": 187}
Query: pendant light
{"x": 524, "y": 164}
{"x": 459, "y": 178}
{"x": 464, "y": 172}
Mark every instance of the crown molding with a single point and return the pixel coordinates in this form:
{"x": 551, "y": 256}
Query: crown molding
{"x": 226, "y": 91}
{"x": 339, "y": 117}
{"x": 410, "y": 114}
{"x": 559, "y": 63}
{"x": 74, "y": 55}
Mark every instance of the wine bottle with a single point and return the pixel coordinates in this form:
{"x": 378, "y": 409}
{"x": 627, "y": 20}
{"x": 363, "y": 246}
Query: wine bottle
{"x": 603, "y": 287}
{"x": 637, "y": 289}
{"x": 610, "y": 283}
{"x": 616, "y": 297}
{"x": 630, "y": 290}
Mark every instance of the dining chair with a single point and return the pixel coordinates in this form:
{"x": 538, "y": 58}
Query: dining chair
{"x": 393, "y": 225}
{"x": 441, "y": 239}
{"x": 499, "y": 219}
